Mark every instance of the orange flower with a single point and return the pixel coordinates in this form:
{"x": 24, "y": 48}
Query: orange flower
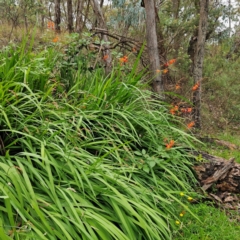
{"x": 190, "y": 125}
{"x": 186, "y": 110}
{"x": 105, "y": 57}
{"x": 158, "y": 71}
{"x": 165, "y": 71}
{"x": 177, "y": 86}
{"x": 170, "y": 62}
{"x": 174, "y": 110}
{"x": 124, "y": 59}
{"x": 170, "y": 144}
{"x": 196, "y": 86}
{"x": 50, "y": 25}
{"x": 56, "y": 39}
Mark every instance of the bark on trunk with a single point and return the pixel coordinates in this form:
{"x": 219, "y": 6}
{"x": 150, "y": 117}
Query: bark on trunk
{"x": 70, "y": 16}
{"x": 57, "y": 16}
{"x": 79, "y": 16}
{"x": 152, "y": 45}
{"x": 198, "y": 61}
{"x": 176, "y": 5}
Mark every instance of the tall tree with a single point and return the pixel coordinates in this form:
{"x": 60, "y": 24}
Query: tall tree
{"x": 198, "y": 61}
{"x": 57, "y": 16}
{"x": 70, "y": 16}
{"x": 152, "y": 45}
{"x": 79, "y": 18}
{"x": 176, "y": 7}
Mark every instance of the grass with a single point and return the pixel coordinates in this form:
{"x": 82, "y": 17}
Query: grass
{"x": 224, "y": 151}
{"x": 213, "y": 225}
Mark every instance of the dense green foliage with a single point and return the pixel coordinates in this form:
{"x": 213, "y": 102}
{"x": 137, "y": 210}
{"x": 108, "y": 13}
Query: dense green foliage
{"x": 89, "y": 162}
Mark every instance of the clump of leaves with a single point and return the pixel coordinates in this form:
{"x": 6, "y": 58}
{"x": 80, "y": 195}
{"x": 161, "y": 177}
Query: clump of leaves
{"x": 70, "y": 165}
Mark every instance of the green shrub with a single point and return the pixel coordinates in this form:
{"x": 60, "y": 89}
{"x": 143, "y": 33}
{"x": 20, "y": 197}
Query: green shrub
{"x": 90, "y": 162}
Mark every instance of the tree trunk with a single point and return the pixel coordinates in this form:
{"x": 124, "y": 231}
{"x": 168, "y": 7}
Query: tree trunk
{"x": 79, "y": 20}
{"x": 152, "y": 45}
{"x": 57, "y": 16}
{"x": 198, "y": 61}
{"x": 175, "y": 5}
{"x": 101, "y": 24}
{"x": 70, "y": 16}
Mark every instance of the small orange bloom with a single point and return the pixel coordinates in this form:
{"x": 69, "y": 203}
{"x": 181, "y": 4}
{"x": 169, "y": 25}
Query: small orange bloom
{"x": 170, "y": 144}
{"x": 50, "y": 25}
{"x": 123, "y": 59}
{"x": 174, "y": 110}
{"x": 190, "y": 125}
{"x": 56, "y": 39}
{"x": 172, "y": 61}
{"x": 158, "y": 71}
{"x": 186, "y": 110}
{"x": 196, "y": 86}
{"x": 165, "y": 70}
{"x": 105, "y": 57}
{"x": 177, "y": 86}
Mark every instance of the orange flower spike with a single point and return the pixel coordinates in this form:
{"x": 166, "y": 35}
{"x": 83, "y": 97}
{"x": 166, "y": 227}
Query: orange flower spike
{"x": 196, "y": 86}
{"x": 56, "y": 39}
{"x": 105, "y": 57}
{"x": 172, "y": 61}
{"x": 170, "y": 144}
{"x": 123, "y": 59}
{"x": 177, "y": 86}
{"x": 165, "y": 71}
{"x": 190, "y": 125}
{"x": 189, "y": 110}
{"x": 172, "y": 111}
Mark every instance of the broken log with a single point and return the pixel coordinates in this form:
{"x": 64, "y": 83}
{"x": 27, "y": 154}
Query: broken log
{"x": 217, "y": 172}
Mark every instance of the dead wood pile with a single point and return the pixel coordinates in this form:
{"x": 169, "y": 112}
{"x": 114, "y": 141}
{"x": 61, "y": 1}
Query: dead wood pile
{"x": 220, "y": 178}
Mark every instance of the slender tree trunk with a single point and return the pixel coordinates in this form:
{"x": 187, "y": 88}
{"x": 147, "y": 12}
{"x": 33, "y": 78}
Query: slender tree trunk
{"x": 57, "y": 16}
{"x": 152, "y": 45}
{"x": 101, "y": 24}
{"x": 175, "y": 5}
{"x": 198, "y": 61}
{"x": 79, "y": 18}
{"x": 176, "y": 40}
{"x": 70, "y": 16}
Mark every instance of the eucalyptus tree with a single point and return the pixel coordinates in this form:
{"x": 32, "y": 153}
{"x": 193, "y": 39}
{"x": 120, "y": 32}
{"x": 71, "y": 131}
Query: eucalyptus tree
{"x": 198, "y": 60}
{"x": 57, "y": 16}
{"x": 70, "y": 15}
{"x": 152, "y": 45}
